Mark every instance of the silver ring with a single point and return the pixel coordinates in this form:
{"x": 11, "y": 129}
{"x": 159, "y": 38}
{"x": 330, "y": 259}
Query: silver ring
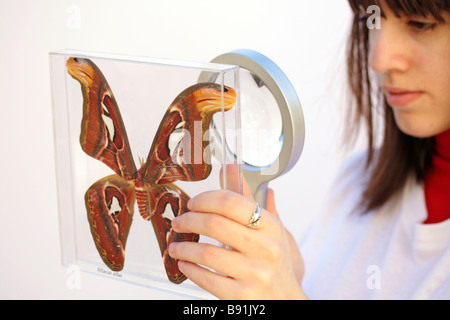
{"x": 254, "y": 220}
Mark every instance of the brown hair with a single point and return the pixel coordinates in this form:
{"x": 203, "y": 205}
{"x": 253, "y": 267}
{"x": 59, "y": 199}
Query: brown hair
{"x": 399, "y": 156}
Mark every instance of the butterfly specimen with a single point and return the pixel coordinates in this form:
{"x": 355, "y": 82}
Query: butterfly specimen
{"x": 110, "y": 201}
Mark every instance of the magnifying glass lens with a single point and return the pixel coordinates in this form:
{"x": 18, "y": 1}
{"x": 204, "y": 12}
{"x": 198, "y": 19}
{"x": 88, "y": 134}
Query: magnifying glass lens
{"x": 273, "y": 130}
{"x": 262, "y": 135}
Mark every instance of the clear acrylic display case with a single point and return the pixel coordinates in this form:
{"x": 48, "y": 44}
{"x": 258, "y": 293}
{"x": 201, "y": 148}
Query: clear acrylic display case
{"x": 144, "y": 88}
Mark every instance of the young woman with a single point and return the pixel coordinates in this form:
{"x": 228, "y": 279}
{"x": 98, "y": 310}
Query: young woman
{"x": 385, "y": 232}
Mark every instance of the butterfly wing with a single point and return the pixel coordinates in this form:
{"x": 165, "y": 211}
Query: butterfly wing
{"x": 179, "y": 150}
{"x": 167, "y": 202}
{"x": 110, "y": 201}
{"x": 110, "y": 205}
{"x": 103, "y": 135}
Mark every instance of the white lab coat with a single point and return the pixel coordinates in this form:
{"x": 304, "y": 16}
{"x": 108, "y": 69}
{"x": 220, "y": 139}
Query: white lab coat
{"x": 387, "y": 254}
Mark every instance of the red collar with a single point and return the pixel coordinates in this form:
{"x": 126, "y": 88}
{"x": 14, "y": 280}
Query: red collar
{"x": 437, "y": 181}
{"x": 443, "y": 145}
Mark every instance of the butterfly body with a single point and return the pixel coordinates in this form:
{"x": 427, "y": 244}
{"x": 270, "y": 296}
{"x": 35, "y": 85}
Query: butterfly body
{"x": 177, "y": 154}
{"x": 143, "y": 198}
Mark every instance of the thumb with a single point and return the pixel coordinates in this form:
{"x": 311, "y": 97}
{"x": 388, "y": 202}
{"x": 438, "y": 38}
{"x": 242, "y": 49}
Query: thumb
{"x": 233, "y": 182}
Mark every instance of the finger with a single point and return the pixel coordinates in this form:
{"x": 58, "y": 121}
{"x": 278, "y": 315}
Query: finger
{"x": 218, "y": 227}
{"x": 220, "y": 286}
{"x": 228, "y": 204}
{"x": 224, "y": 261}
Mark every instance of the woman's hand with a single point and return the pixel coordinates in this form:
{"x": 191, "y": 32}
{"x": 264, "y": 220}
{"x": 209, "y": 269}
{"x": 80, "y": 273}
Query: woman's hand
{"x": 260, "y": 263}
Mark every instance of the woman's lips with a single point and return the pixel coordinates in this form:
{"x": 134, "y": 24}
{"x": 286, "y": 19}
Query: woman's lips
{"x": 400, "y": 97}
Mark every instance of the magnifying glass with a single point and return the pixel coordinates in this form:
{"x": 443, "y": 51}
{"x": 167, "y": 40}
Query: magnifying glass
{"x": 273, "y": 128}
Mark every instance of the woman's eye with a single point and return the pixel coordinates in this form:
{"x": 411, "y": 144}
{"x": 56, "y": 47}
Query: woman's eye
{"x": 422, "y": 26}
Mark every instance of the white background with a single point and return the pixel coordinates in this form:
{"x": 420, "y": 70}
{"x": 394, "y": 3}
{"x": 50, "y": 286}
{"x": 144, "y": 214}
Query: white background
{"x": 305, "y": 38}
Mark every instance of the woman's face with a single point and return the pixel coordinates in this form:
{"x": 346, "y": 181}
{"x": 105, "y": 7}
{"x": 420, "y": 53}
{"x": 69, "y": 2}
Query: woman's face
{"x": 411, "y": 55}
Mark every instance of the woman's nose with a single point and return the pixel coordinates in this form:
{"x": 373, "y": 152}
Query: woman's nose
{"x": 388, "y": 49}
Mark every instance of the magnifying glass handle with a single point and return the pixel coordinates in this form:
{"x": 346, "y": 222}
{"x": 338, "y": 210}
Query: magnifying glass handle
{"x": 260, "y": 195}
